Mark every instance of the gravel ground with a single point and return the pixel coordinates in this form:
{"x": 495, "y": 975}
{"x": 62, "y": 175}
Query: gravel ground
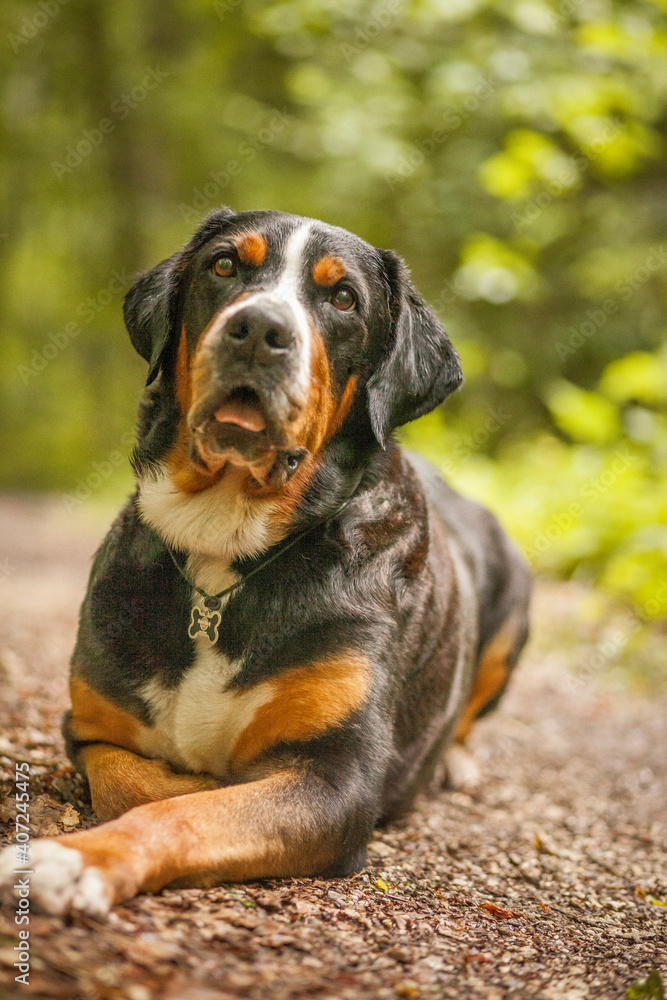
{"x": 548, "y": 882}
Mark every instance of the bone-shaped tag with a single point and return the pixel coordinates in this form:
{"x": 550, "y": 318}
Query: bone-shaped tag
{"x": 204, "y": 623}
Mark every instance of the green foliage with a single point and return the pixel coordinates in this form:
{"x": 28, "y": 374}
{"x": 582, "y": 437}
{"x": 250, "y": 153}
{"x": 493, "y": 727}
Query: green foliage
{"x": 585, "y": 416}
{"x": 649, "y": 987}
{"x": 513, "y": 152}
{"x": 592, "y": 505}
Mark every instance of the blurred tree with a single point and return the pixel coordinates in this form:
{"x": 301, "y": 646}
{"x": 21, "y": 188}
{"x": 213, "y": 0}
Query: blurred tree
{"x": 511, "y": 151}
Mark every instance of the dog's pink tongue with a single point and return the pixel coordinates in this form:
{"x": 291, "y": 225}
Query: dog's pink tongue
{"x": 243, "y": 415}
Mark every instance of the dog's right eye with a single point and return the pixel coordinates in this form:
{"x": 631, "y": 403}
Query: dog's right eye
{"x": 224, "y": 266}
{"x": 344, "y": 299}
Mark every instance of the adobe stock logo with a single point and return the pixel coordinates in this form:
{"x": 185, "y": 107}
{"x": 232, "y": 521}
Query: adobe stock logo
{"x": 120, "y": 109}
{"x": 31, "y": 27}
{"x": 595, "y": 319}
{"x": 592, "y": 490}
{"x": 86, "y": 311}
{"x": 101, "y": 471}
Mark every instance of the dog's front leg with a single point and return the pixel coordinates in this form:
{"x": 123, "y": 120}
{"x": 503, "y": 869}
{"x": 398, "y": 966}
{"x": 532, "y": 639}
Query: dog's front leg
{"x": 290, "y": 823}
{"x": 120, "y": 780}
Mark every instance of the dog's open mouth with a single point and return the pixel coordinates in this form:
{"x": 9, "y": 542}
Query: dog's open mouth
{"x": 233, "y": 426}
{"x": 242, "y": 409}
{"x": 243, "y": 426}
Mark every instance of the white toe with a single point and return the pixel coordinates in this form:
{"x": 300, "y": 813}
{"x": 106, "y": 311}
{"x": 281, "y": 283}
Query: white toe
{"x": 91, "y": 895}
{"x": 58, "y": 881}
{"x": 55, "y": 871}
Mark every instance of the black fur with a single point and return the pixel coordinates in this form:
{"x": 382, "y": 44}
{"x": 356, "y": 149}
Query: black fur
{"x": 407, "y": 574}
{"x": 420, "y": 369}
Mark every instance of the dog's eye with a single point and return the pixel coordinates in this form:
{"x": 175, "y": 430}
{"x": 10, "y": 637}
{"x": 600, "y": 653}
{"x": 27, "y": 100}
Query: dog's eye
{"x": 224, "y": 266}
{"x": 344, "y": 299}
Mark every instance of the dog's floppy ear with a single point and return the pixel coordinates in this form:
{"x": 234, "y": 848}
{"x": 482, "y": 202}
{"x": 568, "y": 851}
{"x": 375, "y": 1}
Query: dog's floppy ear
{"x": 420, "y": 368}
{"x": 151, "y": 306}
{"x": 149, "y": 311}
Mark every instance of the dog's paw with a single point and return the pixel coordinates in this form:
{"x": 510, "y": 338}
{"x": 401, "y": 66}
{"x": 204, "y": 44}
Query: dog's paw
{"x": 60, "y": 882}
{"x": 463, "y": 773}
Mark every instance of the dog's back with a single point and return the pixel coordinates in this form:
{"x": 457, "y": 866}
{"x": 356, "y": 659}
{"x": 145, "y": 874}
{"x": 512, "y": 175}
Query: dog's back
{"x": 487, "y": 584}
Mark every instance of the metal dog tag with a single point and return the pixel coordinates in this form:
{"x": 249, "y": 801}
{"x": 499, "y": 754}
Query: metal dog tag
{"x": 205, "y": 621}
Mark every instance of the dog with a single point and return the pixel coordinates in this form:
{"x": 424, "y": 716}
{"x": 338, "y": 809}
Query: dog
{"x": 291, "y": 620}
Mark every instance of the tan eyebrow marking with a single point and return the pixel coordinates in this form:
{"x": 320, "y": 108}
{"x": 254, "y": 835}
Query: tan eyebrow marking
{"x": 252, "y": 248}
{"x": 328, "y": 270}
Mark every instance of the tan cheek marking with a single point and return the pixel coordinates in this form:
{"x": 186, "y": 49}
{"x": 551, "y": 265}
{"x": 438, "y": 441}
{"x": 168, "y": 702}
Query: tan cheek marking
{"x": 328, "y": 270}
{"x": 185, "y": 476}
{"x": 310, "y": 429}
{"x": 95, "y": 718}
{"x": 309, "y": 432}
{"x": 319, "y": 422}
{"x": 182, "y": 376}
{"x": 252, "y": 248}
{"x": 343, "y": 407}
{"x": 120, "y": 780}
{"x": 308, "y": 701}
{"x": 193, "y": 378}
{"x": 491, "y": 675}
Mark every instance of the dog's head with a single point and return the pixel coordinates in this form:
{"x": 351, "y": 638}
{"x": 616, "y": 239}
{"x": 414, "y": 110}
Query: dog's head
{"x": 271, "y": 333}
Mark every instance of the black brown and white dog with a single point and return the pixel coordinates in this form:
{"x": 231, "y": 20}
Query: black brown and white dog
{"x": 377, "y": 613}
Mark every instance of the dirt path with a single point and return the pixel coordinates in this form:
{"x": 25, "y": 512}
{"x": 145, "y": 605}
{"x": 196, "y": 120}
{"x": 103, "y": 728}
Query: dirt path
{"x": 545, "y": 884}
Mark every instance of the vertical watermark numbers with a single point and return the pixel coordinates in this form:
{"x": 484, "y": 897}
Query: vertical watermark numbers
{"x": 22, "y": 871}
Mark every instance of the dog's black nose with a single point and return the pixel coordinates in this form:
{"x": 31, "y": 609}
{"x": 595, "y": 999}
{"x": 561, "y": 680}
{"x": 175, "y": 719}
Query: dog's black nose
{"x": 258, "y": 332}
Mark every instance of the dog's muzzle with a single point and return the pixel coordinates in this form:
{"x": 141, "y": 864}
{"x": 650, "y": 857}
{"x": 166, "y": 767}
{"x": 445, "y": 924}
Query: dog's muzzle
{"x": 245, "y": 378}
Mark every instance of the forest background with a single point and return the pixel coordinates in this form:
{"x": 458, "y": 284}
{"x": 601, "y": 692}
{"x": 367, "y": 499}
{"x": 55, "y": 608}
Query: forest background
{"x": 512, "y": 151}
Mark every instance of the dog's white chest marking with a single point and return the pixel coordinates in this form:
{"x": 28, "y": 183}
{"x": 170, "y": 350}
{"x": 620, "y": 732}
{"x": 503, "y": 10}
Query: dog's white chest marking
{"x": 218, "y": 522}
{"x": 196, "y": 725}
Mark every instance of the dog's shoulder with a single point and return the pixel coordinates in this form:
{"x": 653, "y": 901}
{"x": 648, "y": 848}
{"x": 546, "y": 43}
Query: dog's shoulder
{"x": 134, "y": 612}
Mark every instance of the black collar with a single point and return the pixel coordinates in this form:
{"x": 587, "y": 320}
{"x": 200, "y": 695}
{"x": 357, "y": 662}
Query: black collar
{"x": 214, "y": 601}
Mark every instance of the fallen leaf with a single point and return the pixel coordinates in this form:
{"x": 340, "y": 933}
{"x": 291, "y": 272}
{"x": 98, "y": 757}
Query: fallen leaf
{"x": 45, "y": 814}
{"x": 653, "y": 900}
{"x": 544, "y": 844}
{"x": 500, "y": 912}
{"x": 407, "y": 989}
{"x": 70, "y": 818}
